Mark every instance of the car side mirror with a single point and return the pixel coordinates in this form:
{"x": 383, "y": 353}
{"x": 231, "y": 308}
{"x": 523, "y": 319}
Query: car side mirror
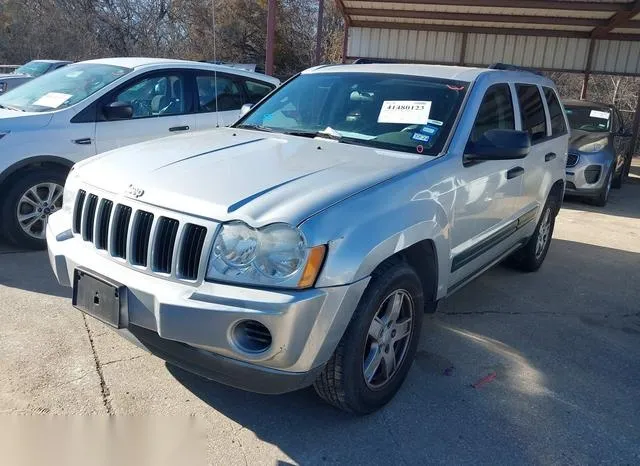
{"x": 245, "y": 109}
{"x": 499, "y": 144}
{"x": 118, "y": 111}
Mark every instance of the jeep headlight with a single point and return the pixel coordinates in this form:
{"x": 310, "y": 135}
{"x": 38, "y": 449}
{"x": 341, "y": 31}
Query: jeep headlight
{"x": 275, "y": 255}
{"x": 595, "y": 146}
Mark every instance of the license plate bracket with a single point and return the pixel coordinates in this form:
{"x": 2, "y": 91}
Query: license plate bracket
{"x": 98, "y": 297}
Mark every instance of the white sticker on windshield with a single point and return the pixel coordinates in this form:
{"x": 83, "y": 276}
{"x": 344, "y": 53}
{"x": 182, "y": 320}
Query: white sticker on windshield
{"x": 52, "y": 99}
{"x": 408, "y": 112}
{"x": 599, "y": 114}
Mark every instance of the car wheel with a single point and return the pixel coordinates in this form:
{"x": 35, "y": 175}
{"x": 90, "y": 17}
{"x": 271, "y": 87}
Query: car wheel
{"x": 531, "y": 256}
{"x": 616, "y": 183}
{"x": 378, "y": 347}
{"x": 603, "y": 196}
{"x": 27, "y": 205}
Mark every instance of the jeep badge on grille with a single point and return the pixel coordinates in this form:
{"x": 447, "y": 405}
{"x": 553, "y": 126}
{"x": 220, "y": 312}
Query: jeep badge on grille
{"x": 134, "y": 192}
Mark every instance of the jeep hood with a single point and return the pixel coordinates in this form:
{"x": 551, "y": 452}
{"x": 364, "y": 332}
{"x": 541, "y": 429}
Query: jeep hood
{"x": 253, "y": 176}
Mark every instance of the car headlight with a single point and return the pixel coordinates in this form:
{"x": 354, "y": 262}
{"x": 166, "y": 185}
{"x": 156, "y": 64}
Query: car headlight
{"x": 69, "y": 193}
{"x": 275, "y": 255}
{"x": 596, "y": 146}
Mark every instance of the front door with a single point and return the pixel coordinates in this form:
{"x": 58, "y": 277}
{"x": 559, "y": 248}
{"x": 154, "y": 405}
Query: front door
{"x": 161, "y": 107}
{"x": 488, "y": 194}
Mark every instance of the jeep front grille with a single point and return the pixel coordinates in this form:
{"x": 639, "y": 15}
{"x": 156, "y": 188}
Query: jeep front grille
{"x": 144, "y": 239}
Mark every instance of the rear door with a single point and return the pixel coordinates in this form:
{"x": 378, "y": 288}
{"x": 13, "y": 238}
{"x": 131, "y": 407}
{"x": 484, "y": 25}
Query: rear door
{"x": 162, "y": 105}
{"x": 220, "y": 97}
{"x": 487, "y": 200}
{"x": 543, "y": 118}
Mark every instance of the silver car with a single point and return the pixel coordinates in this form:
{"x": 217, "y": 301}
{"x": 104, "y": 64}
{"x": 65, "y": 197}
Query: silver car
{"x": 303, "y": 245}
{"x": 597, "y": 150}
{"x": 27, "y": 72}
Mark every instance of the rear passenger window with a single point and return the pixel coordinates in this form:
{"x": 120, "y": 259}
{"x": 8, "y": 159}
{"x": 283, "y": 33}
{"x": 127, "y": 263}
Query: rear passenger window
{"x": 496, "y": 112}
{"x": 256, "y": 91}
{"x": 558, "y": 125}
{"x": 534, "y": 120}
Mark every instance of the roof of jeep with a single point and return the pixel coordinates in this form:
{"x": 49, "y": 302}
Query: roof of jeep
{"x": 458, "y": 73}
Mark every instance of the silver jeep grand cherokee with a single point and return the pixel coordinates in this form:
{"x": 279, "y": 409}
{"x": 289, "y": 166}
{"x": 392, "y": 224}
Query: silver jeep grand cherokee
{"x": 304, "y": 244}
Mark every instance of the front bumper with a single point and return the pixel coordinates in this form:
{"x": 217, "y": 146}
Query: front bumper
{"x": 190, "y": 325}
{"x": 589, "y": 175}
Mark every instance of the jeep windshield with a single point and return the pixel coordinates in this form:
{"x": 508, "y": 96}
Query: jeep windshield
{"x": 387, "y": 111}
{"x": 62, "y": 88}
{"x": 591, "y": 119}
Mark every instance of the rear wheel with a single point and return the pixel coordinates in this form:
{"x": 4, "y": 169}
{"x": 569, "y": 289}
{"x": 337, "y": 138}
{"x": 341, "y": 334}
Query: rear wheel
{"x": 531, "y": 256}
{"x": 28, "y": 203}
{"x": 378, "y": 347}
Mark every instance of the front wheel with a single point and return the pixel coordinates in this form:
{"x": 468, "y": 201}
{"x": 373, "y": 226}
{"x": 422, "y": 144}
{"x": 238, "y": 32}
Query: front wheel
{"x": 378, "y": 347}
{"x": 27, "y": 205}
{"x": 603, "y": 196}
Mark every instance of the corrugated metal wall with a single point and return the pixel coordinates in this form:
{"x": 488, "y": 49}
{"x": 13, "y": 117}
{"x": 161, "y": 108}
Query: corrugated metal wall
{"x": 483, "y": 49}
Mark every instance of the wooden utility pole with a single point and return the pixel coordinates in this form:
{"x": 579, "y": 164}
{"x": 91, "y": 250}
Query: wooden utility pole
{"x": 319, "y": 33}
{"x": 271, "y": 35}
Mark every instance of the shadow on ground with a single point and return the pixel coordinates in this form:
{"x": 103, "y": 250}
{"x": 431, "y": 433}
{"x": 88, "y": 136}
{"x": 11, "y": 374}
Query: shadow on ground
{"x": 29, "y": 271}
{"x": 624, "y": 202}
{"x": 556, "y": 347}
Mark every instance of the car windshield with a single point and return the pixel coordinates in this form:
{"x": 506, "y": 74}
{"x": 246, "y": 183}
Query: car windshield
{"x": 62, "y": 88}
{"x": 592, "y": 119}
{"x": 33, "y": 68}
{"x": 389, "y": 111}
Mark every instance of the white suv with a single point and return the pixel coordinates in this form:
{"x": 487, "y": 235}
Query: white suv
{"x": 303, "y": 244}
{"x": 83, "y": 109}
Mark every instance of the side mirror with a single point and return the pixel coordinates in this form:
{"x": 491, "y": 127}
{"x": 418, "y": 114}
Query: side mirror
{"x": 118, "y": 111}
{"x": 499, "y": 144}
{"x": 245, "y": 109}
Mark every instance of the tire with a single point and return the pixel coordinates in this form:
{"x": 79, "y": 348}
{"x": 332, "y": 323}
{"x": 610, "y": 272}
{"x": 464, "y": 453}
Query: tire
{"x": 603, "y": 196}
{"x": 531, "y": 256}
{"x": 616, "y": 183}
{"x": 26, "y": 195}
{"x": 343, "y": 382}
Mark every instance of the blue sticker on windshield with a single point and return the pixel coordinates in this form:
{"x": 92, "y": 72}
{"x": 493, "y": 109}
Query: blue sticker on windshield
{"x": 429, "y": 130}
{"x": 420, "y": 137}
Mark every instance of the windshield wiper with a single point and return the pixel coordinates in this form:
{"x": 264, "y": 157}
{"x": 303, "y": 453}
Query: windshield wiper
{"x": 11, "y": 108}
{"x": 256, "y": 127}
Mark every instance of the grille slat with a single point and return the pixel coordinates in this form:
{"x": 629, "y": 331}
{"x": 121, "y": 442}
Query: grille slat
{"x": 164, "y": 245}
{"x": 141, "y": 235}
{"x": 104, "y": 217}
{"x": 192, "y": 243}
{"x": 77, "y": 220}
{"x": 123, "y": 218}
{"x": 89, "y": 218}
{"x": 115, "y": 228}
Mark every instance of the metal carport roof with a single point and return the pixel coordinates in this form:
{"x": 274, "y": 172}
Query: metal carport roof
{"x": 588, "y": 36}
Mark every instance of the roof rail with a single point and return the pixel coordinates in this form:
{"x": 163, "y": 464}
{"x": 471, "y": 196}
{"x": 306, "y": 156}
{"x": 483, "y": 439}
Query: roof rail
{"x": 508, "y": 67}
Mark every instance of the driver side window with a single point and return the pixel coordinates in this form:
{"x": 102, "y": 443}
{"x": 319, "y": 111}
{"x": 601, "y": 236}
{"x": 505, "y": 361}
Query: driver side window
{"x": 155, "y": 96}
{"x": 495, "y": 112}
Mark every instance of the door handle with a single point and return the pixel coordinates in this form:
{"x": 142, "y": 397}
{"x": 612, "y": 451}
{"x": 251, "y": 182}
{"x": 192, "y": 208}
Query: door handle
{"x": 82, "y": 141}
{"x": 179, "y": 128}
{"x": 550, "y": 156}
{"x": 515, "y": 172}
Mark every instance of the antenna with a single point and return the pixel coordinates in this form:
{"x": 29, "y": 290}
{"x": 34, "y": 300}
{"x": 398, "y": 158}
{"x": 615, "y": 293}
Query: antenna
{"x": 215, "y": 60}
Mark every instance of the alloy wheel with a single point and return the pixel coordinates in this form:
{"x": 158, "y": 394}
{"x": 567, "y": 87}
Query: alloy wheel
{"x": 388, "y": 339}
{"x": 35, "y": 205}
{"x": 544, "y": 233}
